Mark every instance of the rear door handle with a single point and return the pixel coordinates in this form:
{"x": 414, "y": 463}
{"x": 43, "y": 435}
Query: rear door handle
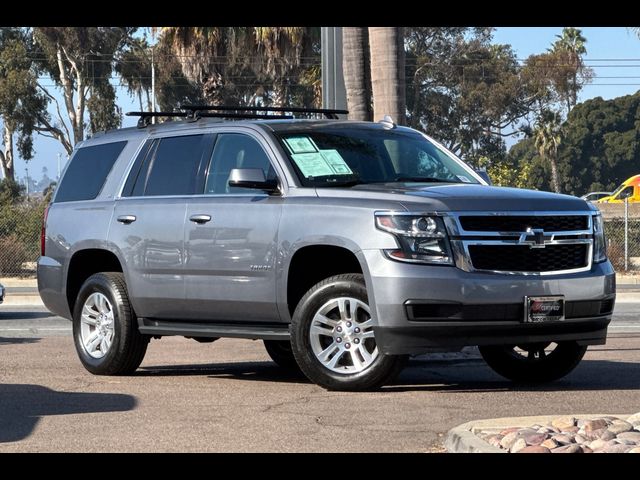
{"x": 200, "y": 219}
{"x": 126, "y": 219}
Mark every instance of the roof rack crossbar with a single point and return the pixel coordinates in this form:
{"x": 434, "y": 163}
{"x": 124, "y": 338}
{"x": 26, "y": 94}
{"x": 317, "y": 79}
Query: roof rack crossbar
{"x": 327, "y": 112}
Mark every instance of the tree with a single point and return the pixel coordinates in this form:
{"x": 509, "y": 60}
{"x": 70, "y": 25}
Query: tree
{"x": 20, "y": 100}
{"x": 357, "y": 72}
{"x": 133, "y": 65}
{"x": 246, "y": 65}
{"x": 547, "y": 136}
{"x": 464, "y": 91}
{"x": 570, "y": 71}
{"x": 80, "y": 60}
{"x": 281, "y": 51}
{"x": 388, "y": 73}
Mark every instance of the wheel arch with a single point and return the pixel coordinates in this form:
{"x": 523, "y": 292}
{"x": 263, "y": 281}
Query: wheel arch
{"x": 313, "y": 261}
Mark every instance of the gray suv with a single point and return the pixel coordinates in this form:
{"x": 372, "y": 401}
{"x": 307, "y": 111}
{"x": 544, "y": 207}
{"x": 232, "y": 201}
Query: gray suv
{"x": 345, "y": 246}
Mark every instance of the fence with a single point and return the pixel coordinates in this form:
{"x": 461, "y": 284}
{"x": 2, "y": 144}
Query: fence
{"x": 20, "y": 225}
{"x": 622, "y": 230}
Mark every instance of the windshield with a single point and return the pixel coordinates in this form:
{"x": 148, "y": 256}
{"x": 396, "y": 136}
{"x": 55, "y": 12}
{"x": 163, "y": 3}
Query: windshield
{"x": 618, "y": 190}
{"x": 330, "y": 156}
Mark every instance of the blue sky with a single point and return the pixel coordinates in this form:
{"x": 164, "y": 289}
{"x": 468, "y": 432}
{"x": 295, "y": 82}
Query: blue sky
{"x": 613, "y": 53}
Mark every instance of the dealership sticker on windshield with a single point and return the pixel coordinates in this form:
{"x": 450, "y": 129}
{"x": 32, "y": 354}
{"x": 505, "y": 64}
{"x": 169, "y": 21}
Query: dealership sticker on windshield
{"x": 312, "y": 164}
{"x": 301, "y": 145}
{"x": 336, "y": 162}
{"x": 464, "y": 179}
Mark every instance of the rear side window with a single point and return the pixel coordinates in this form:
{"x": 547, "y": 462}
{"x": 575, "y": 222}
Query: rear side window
{"x": 88, "y": 171}
{"x": 172, "y": 169}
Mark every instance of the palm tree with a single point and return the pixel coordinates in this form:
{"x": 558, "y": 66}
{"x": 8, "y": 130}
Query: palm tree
{"x": 547, "y": 135}
{"x": 283, "y": 51}
{"x": 570, "y": 48}
{"x": 357, "y": 73}
{"x": 204, "y": 55}
{"x": 387, "y": 72}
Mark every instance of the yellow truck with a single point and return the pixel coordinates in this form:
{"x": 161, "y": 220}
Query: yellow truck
{"x": 629, "y": 189}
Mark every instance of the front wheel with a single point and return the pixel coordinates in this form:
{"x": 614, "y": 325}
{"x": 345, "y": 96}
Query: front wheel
{"x": 333, "y": 340}
{"x": 534, "y": 362}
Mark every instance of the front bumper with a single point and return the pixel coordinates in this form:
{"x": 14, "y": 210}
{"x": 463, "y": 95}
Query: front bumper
{"x": 393, "y": 285}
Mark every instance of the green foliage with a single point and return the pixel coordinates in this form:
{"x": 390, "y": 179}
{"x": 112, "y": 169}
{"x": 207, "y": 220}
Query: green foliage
{"x": 10, "y": 191}
{"x": 20, "y": 224}
{"x": 463, "y": 90}
{"x": 238, "y": 65}
{"x": 600, "y": 148}
{"x": 20, "y": 100}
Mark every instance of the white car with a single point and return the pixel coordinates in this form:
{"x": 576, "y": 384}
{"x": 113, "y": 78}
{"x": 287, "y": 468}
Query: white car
{"x": 593, "y": 196}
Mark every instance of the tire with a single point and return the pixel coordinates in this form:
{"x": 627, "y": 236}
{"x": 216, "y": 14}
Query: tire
{"x": 280, "y": 352}
{"x": 351, "y": 360}
{"x": 530, "y": 364}
{"x": 122, "y": 347}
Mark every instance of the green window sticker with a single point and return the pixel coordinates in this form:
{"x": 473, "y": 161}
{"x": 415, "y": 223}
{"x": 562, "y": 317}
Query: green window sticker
{"x": 336, "y": 162}
{"x": 301, "y": 145}
{"x": 312, "y": 164}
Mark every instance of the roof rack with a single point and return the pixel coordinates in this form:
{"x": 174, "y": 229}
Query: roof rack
{"x": 327, "y": 112}
{"x": 194, "y": 112}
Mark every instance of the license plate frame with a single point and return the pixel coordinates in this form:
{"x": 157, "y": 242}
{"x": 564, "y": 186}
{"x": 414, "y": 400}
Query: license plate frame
{"x": 544, "y": 309}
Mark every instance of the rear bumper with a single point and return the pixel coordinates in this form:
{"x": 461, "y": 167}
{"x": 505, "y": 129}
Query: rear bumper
{"x": 415, "y": 339}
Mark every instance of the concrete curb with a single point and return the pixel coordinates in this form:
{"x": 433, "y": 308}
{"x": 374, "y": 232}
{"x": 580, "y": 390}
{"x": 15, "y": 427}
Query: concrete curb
{"x": 463, "y": 438}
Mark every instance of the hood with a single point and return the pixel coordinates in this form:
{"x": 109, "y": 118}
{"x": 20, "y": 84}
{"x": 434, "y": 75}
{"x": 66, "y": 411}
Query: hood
{"x": 461, "y": 197}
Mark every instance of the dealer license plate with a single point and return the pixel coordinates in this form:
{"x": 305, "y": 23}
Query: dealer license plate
{"x": 543, "y": 309}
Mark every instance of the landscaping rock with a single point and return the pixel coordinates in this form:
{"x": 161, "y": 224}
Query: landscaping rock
{"x": 562, "y": 423}
{"x": 534, "y": 449}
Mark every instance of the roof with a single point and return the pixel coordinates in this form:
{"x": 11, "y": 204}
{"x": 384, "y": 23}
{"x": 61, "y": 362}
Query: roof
{"x": 273, "y": 125}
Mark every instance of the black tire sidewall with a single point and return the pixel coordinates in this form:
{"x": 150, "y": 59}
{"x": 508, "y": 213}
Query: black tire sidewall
{"x": 100, "y": 283}
{"x": 339, "y": 286}
{"x": 565, "y": 357}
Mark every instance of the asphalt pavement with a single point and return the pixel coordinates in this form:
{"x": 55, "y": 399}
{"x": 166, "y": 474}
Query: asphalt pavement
{"x": 227, "y": 396}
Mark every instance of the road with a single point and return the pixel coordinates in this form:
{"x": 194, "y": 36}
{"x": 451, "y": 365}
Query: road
{"x": 228, "y": 396}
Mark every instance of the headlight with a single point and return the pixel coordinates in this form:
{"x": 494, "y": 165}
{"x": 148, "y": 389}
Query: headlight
{"x": 599, "y": 243}
{"x": 422, "y": 238}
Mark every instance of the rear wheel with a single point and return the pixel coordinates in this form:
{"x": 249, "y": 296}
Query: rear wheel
{"x": 333, "y": 340}
{"x": 534, "y": 362}
{"x": 281, "y": 353}
{"x": 105, "y": 330}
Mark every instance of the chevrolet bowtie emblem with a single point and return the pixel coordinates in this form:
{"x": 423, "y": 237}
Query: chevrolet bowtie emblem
{"x": 535, "y": 238}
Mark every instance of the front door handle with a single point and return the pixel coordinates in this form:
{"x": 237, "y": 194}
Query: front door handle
{"x": 200, "y": 219}
{"x": 126, "y": 219}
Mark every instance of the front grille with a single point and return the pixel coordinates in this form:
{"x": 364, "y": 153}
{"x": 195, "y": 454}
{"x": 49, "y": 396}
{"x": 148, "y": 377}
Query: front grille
{"x": 520, "y": 223}
{"x": 521, "y": 258}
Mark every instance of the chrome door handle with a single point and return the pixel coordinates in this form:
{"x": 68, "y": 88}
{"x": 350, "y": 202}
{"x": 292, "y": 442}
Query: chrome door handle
{"x": 200, "y": 219}
{"x": 126, "y": 219}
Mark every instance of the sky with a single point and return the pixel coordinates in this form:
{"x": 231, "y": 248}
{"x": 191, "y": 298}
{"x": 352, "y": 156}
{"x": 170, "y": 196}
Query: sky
{"x": 612, "y": 52}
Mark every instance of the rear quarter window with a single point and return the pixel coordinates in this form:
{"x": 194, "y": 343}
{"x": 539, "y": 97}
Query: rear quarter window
{"x": 88, "y": 171}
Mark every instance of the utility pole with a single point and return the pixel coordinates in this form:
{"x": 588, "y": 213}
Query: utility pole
{"x": 58, "y": 176}
{"x": 334, "y": 94}
{"x": 27, "y": 181}
{"x": 153, "y": 79}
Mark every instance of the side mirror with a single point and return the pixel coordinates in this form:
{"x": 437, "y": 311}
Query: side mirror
{"x": 482, "y": 173}
{"x": 252, "y": 178}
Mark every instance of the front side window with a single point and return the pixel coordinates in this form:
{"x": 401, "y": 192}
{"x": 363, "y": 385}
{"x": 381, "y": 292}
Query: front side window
{"x": 333, "y": 156}
{"x": 625, "y": 193}
{"x": 235, "y": 150}
{"x": 87, "y": 172}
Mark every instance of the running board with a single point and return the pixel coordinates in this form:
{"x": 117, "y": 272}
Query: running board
{"x": 253, "y": 331}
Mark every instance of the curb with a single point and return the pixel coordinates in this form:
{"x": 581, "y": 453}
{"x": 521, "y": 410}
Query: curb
{"x": 463, "y": 438}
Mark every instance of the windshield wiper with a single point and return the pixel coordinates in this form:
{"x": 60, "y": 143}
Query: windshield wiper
{"x": 348, "y": 183}
{"x": 422, "y": 179}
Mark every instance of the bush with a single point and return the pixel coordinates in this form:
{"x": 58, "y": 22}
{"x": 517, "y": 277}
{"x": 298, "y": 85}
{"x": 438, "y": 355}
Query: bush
{"x": 12, "y": 255}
